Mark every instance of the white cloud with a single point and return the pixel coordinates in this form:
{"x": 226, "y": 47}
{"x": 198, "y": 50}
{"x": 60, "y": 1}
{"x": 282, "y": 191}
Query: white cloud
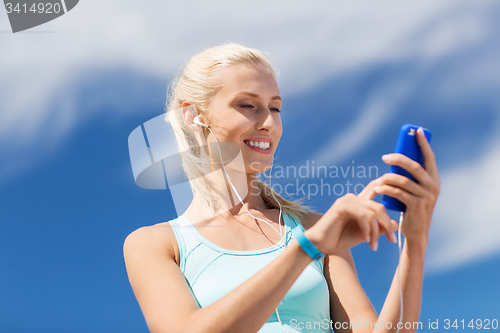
{"x": 466, "y": 222}
{"x": 311, "y": 41}
{"x": 383, "y": 102}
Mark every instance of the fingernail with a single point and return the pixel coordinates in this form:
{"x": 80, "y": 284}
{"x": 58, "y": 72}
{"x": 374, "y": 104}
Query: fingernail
{"x": 368, "y": 238}
{"x": 385, "y": 157}
{"x": 376, "y": 188}
{"x": 375, "y": 246}
{"x": 393, "y": 238}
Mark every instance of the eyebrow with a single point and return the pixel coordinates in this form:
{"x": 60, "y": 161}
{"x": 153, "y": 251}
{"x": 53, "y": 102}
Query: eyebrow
{"x": 255, "y": 95}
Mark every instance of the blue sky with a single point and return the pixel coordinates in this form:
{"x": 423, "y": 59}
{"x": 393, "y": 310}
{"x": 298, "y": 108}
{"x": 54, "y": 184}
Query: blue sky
{"x": 72, "y": 90}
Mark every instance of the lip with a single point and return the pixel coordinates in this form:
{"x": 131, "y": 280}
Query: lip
{"x": 263, "y": 139}
{"x": 260, "y": 138}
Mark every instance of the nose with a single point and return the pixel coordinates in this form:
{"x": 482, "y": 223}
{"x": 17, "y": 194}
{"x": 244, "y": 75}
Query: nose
{"x": 267, "y": 120}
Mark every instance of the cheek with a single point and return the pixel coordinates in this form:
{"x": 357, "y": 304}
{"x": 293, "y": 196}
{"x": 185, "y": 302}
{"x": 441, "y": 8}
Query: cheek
{"x": 229, "y": 125}
{"x": 236, "y": 131}
{"x": 279, "y": 131}
{"x": 238, "y": 124}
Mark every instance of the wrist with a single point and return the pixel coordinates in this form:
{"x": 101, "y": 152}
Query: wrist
{"x": 316, "y": 239}
{"x": 306, "y": 244}
{"x": 303, "y": 257}
{"x": 416, "y": 246}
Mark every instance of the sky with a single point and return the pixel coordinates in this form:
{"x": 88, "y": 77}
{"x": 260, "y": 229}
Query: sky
{"x": 350, "y": 74}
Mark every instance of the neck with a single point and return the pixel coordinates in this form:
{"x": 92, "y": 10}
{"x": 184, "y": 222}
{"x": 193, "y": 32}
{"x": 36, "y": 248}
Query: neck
{"x": 226, "y": 201}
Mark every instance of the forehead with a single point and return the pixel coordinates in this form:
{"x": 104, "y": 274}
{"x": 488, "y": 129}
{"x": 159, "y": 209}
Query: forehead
{"x": 238, "y": 78}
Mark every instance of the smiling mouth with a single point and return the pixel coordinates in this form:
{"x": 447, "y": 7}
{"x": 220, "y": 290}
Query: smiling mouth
{"x": 258, "y": 144}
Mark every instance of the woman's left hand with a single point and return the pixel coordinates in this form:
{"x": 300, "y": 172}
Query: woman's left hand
{"x": 419, "y": 198}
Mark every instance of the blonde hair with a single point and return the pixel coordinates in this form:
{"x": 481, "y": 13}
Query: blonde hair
{"x": 196, "y": 83}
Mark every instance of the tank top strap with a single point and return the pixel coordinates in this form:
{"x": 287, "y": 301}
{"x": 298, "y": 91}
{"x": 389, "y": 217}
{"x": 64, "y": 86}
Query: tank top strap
{"x": 318, "y": 264}
{"x": 186, "y": 241}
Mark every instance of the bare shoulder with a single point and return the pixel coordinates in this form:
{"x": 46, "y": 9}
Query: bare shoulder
{"x": 154, "y": 239}
{"x": 310, "y": 219}
{"x": 159, "y": 285}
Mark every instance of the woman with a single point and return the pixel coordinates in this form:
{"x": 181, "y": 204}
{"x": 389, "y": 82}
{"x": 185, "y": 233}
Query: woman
{"x": 225, "y": 272}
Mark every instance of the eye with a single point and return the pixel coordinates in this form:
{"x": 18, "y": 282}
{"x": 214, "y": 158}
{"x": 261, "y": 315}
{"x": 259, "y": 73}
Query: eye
{"x": 275, "y": 110}
{"x": 247, "y": 106}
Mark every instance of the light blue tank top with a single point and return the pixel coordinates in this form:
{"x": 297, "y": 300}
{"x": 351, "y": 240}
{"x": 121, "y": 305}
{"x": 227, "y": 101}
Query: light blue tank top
{"x": 212, "y": 272}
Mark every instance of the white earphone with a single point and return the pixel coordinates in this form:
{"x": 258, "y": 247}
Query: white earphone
{"x": 197, "y": 121}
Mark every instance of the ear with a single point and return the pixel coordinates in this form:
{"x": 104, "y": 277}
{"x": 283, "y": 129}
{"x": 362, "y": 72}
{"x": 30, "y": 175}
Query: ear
{"x": 188, "y": 114}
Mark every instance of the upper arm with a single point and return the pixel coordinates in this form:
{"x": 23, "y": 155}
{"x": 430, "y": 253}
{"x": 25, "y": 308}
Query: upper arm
{"x": 348, "y": 301}
{"x": 158, "y": 284}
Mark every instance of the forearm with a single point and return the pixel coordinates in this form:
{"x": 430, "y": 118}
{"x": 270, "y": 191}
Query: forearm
{"x": 411, "y": 269}
{"x": 249, "y": 306}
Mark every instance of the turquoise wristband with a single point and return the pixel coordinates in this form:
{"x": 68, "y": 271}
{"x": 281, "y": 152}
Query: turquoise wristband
{"x": 309, "y": 248}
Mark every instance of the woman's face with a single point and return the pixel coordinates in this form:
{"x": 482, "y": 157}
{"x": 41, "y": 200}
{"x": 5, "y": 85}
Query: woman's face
{"x": 246, "y": 111}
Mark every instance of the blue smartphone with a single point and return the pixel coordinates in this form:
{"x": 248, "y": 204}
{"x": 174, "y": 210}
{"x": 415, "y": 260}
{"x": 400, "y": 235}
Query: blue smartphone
{"x": 407, "y": 145}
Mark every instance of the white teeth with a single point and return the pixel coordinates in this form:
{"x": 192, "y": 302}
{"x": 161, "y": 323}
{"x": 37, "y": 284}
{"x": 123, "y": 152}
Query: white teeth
{"x": 261, "y": 145}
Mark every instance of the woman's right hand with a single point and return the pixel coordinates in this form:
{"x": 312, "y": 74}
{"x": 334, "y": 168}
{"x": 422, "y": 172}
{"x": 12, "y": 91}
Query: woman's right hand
{"x": 351, "y": 220}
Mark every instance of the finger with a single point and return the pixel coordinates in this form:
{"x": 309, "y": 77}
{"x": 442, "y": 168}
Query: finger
{"x": 429, "y": 157}
{"x": 397, "y": 193}
{"x": 403, "y": 182}
{"x": 368, "y": 192}
{"x": 413, "y": 167}
{"x": 383, "y": 219}
{"x": 375, "y": 231}
{"x": 395, "y": 225}
{"x": 367, "y": 217}
{"x": 361, "y": 215}
{"x": 364, "y": 225}
{"x": 379, "y": 210}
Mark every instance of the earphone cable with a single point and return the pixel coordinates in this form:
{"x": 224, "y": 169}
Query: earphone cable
{"x": 241, "y": 200}
{"x": 399, "y": 274}
{"x": 236, "y": 192}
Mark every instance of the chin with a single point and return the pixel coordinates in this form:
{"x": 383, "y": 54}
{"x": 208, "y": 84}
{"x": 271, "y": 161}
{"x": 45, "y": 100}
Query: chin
{"x": 258, "y": 167}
